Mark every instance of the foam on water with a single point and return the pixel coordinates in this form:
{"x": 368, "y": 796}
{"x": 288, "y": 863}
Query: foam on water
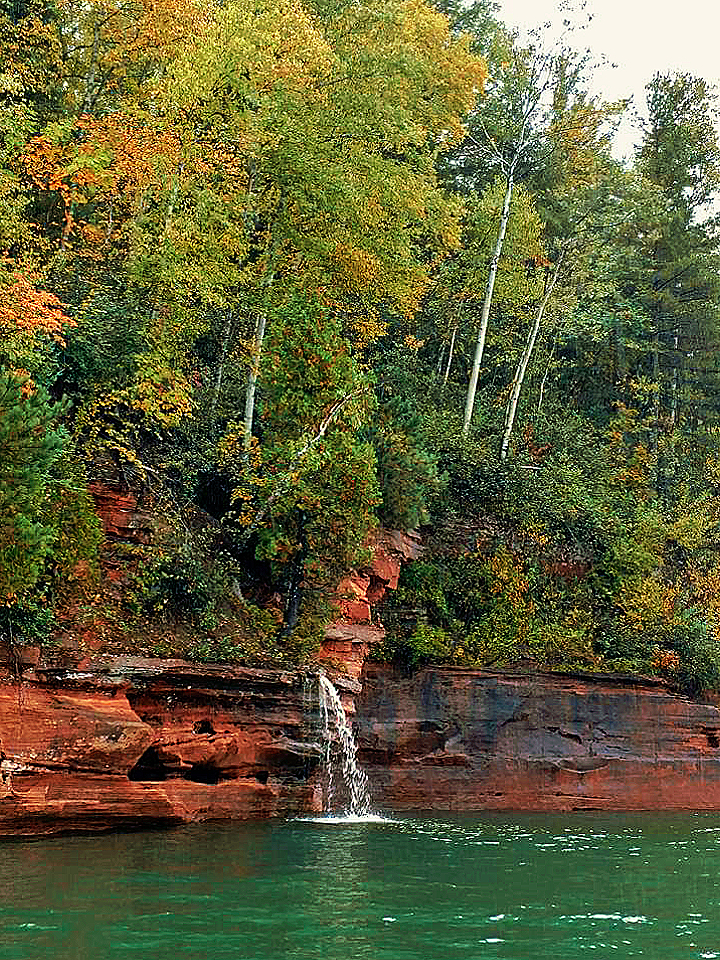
{"x": 343, "y": 820}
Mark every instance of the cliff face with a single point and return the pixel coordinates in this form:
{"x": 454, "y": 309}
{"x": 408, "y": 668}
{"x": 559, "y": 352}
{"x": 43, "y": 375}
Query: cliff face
{"x": 130, "y": 742}
{"x": 109, "y": 742}
{"x": 115, "y": 742}
{"x": 463, "y": 740}
{"x": 133, "y": 742}
{"x": 348, "y": 641}
{"x": 127, "y": 519}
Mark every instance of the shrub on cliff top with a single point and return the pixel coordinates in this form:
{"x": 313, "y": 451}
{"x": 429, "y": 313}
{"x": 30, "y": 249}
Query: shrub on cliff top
{"x": 697, "y": 667}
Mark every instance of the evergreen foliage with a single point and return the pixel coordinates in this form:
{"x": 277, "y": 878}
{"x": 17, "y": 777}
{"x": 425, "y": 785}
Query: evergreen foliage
{"x": 29, "y": 445}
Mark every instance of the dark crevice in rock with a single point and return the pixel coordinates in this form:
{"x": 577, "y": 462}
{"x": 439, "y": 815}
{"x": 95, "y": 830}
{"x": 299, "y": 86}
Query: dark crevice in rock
{"x": 204, "y": 773}
{"x": 712, "y": 737}
{"x": 203, "y": 726}
{"x": 149, "y": 768}
{"x": 154, "y": 721}
{"x": 153, "y": 768}
{"x": 431, "y": 726}
{"x": 516, "y": 718}
{"x": 566, "y": 734}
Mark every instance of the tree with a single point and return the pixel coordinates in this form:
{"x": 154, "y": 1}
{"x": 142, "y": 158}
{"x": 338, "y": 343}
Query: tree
{"x": 306, "y": 500}
{"x": 534, "y": 109}
{"x": 319, "y": 132}
{"x": 29, "y": 444}
{"x": 457, "y": 296}
{"x": 518, "y": 379}
{"x": 680, "y": 154}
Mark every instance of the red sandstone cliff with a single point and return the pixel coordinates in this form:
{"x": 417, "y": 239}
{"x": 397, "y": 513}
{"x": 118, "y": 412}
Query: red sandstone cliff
{"x": 348, "y": 641}
{"x": 128, "y": 742}
{"x": 455, "y": 739}
{"x": 135, "y": 742}
{"x": 115, "y": 742}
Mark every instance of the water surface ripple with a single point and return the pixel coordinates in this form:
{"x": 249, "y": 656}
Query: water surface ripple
{"x": 523, "y": 887}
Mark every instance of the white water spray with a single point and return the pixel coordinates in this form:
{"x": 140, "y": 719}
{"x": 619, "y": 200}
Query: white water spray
{"x": 346, "y": 781}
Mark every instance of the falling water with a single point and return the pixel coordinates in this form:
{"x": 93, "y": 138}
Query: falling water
{"x": 345, "y": 778}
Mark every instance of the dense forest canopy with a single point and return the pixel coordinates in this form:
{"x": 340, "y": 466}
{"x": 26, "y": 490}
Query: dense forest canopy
{"x": 292, "y": 270}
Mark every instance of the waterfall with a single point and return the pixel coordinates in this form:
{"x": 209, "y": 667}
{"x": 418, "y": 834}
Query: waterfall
{"x": 346, "y": 781}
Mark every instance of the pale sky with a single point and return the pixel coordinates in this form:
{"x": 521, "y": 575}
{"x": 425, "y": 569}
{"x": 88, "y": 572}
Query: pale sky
{"x": 641, "y": 37}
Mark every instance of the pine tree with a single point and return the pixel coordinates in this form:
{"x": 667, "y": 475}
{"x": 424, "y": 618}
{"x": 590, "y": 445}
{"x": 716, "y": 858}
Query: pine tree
{"x": 29, "y": 445}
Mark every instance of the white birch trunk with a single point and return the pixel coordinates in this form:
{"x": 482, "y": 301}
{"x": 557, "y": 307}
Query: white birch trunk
{"x": 252, "y": 380}
{"x": 487, "y": 303}
{"x": 284, "y": 480}
{"x": 543, "y": 382}
{"x": 172, "y": 200}
{"x": 451, "y": 351}
{"x": 254, "y": 372}
{"x": 441, "y": 357}
{"x": 89, "y": 97}
{"x": 224, "y": 348}
{"x": 524, "y": 361}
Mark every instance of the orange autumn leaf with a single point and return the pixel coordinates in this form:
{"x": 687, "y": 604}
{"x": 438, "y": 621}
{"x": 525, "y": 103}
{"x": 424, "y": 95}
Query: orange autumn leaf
{"x": 25, "y": 308}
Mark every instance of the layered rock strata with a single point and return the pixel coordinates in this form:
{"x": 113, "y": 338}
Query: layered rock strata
{"x": 455, "y": 739}
{"x": 128, "y": 742}
{"x": 348, "y": 640}
{"x": 131, "y": 742}
{"x": 120, "y": 742}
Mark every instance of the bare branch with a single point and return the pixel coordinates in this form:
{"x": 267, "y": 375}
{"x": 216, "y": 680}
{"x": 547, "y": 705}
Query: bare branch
{"x": 283, "y": 482}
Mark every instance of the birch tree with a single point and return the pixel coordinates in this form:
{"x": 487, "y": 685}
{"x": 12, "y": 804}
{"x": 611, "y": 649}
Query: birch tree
{"x": 513, "y": 133}
{"x": 527, "y": 353}
{"x": 602, "y": 224}
{"x": 320, "y": 132}
{"x": 462, "y": 280}
{"x": 505, "y": 136}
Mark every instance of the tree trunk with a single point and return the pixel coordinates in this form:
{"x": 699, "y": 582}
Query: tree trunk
{"x": 295, "y": 593}
{"x": 620, "y": 357}
{"x": 172, "y": 199}
{"x": 675, "y": 380}
{"x": 90, "y": 95}
{"x": 451, "y": 351}
{"x": 251, "y": 388}
{"x": 525, "y": 360}
{"x": 254, "y": 372}
{"x": 439, "y": 364}
{"x": 224, "y": 347}
{"x": 655, "y": 438}
{"x": 543, "y": 382}
{"x": 487, "y": 303}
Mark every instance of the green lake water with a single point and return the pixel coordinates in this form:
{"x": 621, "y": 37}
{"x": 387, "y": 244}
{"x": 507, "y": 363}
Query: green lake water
{"x": 520, "y": 887}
